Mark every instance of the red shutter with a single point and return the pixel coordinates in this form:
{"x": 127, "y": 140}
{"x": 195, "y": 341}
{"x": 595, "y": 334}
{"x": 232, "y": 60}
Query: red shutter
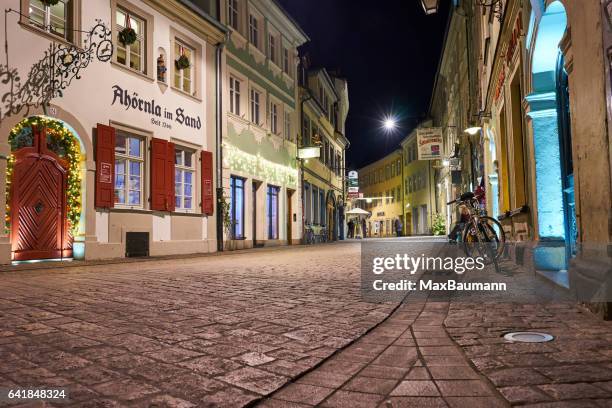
{"x": 105, "y": 166}
{"x": 159, "y": 168}
{"x": 207, "y": 183}
{"x": 170, "y": 193}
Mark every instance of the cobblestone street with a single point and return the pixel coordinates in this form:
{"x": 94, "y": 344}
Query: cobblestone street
{"x": 258, "y": 327}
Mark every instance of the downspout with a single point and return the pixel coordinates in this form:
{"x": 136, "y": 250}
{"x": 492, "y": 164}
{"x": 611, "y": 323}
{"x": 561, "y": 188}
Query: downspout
{"x": 300, "y": 144}
{"x": 219, "y": 139}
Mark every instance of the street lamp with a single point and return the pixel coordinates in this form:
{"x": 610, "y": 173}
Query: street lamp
{"x": 430, "y": 6}
{"x": 473, "y": 130}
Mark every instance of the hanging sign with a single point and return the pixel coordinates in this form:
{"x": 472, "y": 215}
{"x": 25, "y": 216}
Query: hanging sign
{"x": 429, "y": 142}
{"x": 353, "y": 184}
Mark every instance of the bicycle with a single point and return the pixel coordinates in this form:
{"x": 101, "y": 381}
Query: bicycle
{"x": 309, "y": 236}
{"x": 481, "y": 235}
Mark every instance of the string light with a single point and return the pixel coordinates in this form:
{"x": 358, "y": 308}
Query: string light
{"x": 257, "y": 166}
{"x": 70, "y": 145}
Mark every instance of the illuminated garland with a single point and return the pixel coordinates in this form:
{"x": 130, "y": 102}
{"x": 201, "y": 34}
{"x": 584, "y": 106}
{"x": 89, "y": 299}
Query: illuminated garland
{"x": 256, "y": 165}
{"x": 70, "y": 144}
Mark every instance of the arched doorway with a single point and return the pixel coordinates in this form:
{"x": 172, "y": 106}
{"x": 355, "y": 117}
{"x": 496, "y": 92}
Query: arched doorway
{"x": 550, "y": 116}
{"x": 43, "y": 189}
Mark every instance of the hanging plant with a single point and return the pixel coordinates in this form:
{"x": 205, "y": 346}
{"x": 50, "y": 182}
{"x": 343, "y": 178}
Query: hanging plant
{"x": 50, "y": 2}
{"x": 182, "y": 62}
{"x": 127, "y": 36}
{"x": 69, "y": 145}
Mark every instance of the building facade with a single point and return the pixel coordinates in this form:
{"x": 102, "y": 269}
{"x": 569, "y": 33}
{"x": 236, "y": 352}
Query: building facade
{"x": 120, "y": 164}
{"x": 419, "y": 204}
{"x": 260, "y": 174}
{"x": 381, "y": 184}
{"x": 324, "y": 108}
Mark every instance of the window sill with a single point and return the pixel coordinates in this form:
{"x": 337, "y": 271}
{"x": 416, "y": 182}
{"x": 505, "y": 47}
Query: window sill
{"x": 129, "y": 70}
{"x": 48, "y": 35}
{"x": 181, "y": 92}
{"x": 127, "y": 209}
{"x": 182, "y": 213}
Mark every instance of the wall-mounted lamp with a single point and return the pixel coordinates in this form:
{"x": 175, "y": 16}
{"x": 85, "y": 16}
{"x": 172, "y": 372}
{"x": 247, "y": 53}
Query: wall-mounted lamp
{"x": 430, "y": 6}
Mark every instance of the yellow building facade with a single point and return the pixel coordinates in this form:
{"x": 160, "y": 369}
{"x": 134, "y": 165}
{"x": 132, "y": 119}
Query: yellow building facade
{"x": 381, "y": 185}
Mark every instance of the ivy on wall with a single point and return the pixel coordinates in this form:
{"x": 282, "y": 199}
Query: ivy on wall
{"x": 63, "y": 142}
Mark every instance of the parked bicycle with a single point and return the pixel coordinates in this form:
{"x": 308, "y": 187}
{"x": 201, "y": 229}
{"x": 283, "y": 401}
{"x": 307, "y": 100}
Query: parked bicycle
{"x": 481, "y": 235}
{"x": 309, "y": 235}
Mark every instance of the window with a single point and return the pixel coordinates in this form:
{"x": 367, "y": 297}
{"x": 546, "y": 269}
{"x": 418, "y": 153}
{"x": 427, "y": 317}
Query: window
{"x": 184, "y": 175}
{"x": 286, "y": 61}
{"x": 274, "y": 118}
{"x": 272, "y": 48}
{"x": 131, "y": 55}
{"x": 272, "y": 212}
{"x": 288, "y": 135}
{"x": 232, "y": 14}
{"x": 237, "y": 207}
{"x": 398, "y": 165}
{"x": 234, "y": 96}
{"x": 129, "y": 162}
{"x": 315, "y": 207}
{"x": 393, "y": 170}
{"x": 307, "y": 204}
{"x": 53, "y": 19}
{"x": 306, "y": 141}
{"x": 255, "y": 109}
{"x": 183, "y": 78}
{"x": 322, "y": 206}
{"x": 254, "y": 30}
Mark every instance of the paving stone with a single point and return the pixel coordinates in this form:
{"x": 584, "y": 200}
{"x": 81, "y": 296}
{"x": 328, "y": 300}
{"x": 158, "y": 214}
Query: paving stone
{"x": 524, "y": 394}
{"x": 303, "y": 393}
{"x": 453, "y": 373}
{"x": 517, "y": 376}
{"x": 475, "y": 402}
{"x": 350, "y": 399}
{"x": 380, "y": 371}
{"x": 463, "y": 388}
{"x": 254, "y": 359}
{"x": 125, "y": 389}
{"x": 210, "y": 366}
{"x": 371, "y": 385}
{"x": 414, "y": 402}
{"x": 253, "y": 379}
{"x": 574, "y": 391}
{"x": 416, "y": 388}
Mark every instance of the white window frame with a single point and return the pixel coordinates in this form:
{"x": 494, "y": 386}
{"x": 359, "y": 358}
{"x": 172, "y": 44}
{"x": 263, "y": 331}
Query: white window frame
{"x": 181, "y": 72}
{"x": 255, "y": 97}
{"x": 234, "y": 96}
{"x": 254, "y": 30}
{"x": 46, "y": 10}
{"x": 287, "y": 125}
{"x": 233, "y": 14}
{"x": 128, "y": 158}
{"x": 274, "y": 112}
{"x": 183, "y": 169}
{"x": 142, "y": 37}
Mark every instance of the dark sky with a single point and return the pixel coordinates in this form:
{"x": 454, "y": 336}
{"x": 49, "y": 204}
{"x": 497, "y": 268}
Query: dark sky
{"x": 388, "y": 50}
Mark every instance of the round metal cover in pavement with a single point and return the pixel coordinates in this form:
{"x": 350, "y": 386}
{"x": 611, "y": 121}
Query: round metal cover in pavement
{"x": 528, "y": 337}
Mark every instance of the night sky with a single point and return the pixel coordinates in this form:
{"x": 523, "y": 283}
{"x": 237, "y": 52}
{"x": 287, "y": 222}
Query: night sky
{"x": 387, "y": 50}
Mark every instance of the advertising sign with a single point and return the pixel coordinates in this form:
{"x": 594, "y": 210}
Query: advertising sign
{"x": 353, "y": 184}
{"x": 429, "y": 142}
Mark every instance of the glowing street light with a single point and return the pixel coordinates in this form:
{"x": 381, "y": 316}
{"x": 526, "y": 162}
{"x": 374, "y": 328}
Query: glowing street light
{"x": 473, "y": 130}
{"x": 390, "y": 124}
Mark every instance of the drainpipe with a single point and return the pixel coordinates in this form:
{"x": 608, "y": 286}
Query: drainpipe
{"x": 219, "y": 139}
{"x": 300, "y": 144}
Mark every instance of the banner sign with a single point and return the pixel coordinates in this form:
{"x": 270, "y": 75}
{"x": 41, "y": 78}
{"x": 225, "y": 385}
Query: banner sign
{"x": 429, "y": 142}
{"x": 353, "y": 184}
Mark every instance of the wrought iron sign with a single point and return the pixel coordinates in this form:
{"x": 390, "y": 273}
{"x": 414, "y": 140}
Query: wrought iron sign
{"x": 497, "y": 7}
{"x": 53, "y": 73}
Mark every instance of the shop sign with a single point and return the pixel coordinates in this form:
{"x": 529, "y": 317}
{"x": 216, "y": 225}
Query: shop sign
{"x": 105, "y": 173}
{"x": 514, "y": 39}
{"x": 429, "y": 142}
{"x": 160, "y": 115}
{"x": 353, "y": 184}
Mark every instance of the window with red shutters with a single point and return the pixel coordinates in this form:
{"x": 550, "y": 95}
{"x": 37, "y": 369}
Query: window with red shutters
{"x": 170, "y": 181}
{"x": 105, "y": 166}
{"x": 159, "y": 168}
{"x": 207, "y": 183}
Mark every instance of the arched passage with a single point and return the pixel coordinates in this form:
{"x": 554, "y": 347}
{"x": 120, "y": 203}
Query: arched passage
{"x": 549, "y": 112}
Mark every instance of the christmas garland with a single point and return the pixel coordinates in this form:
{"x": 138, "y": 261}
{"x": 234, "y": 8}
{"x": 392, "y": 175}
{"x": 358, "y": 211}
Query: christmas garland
{"x": 127, "y": 36}
{"x": 72, "y": 150}
{"x": 182, "y": 62}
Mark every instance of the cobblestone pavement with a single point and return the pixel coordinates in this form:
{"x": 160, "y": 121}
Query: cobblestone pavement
{"x": 212, "y": 331}
{"x": 229, "y": 330}
{"x": 444, "y": 352}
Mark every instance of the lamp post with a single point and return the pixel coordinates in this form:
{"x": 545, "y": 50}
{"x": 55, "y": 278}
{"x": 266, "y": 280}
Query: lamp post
{"x": 430, "y": 6}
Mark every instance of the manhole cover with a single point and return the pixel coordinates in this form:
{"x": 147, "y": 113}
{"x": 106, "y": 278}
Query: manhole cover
{"x": 528, "y": 337}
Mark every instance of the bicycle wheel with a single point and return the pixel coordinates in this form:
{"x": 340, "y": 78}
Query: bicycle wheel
{"x": 478, "y": 244}
{"x": 494, "y": 234}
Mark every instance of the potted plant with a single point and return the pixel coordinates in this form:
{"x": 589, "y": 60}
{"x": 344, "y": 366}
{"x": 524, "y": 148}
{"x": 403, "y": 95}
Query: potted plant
{"x": 439, "y": 224}
{"x": 182, "y": 62}
{"x": 228, "y": 223}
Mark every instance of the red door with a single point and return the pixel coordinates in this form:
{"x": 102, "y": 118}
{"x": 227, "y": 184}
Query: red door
{"x": 39, "y": 227}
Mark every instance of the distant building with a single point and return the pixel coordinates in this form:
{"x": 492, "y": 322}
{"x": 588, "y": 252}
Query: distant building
{"x": 324, "y": 108}
{"x": 383, "y": 195}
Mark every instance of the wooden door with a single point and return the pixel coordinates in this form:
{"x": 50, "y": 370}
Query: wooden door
{"x": 39, "y": 227}
{"x": 289, "y": 219}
